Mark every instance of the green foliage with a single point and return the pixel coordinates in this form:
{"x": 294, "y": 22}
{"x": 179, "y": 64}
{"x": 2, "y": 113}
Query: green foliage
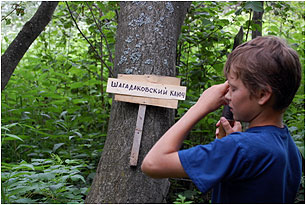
{"x": 43, "y": 180}
{"x": 182, "y": 200}
{"x": 300, "y": 198}
{"x": 17, "y": 8}
{"x": 293, "y": 118}
{"x": 55, "y": 109}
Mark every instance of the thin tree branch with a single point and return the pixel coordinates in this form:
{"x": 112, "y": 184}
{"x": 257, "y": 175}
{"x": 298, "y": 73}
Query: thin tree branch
{"x": 109, "y": 69}
{"x": 102, "y": 92}
{"x": 9, "y": 14}
{"x": 248, "y": 26}
{"x": 99, "y": 27}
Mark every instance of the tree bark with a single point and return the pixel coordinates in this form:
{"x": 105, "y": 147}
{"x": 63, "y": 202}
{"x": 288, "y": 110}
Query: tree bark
{"x": 24, "y": 39}
{"x": 146, "y": 42}
{"x": 257, "y": 19}
{"x": 238, "y": 38}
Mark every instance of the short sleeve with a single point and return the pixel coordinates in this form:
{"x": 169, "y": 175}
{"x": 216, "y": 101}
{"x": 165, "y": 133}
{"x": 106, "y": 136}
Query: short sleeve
{"x": 207, "y": 165}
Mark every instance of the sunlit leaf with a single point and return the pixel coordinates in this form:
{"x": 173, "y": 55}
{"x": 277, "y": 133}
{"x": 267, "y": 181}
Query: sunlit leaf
{"x": 77, "y": 177}
{"x": 57, "y": 146}
{"x": 9, "y": 137}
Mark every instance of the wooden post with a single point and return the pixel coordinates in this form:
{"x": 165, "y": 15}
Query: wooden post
{"x": 137, "y": 135}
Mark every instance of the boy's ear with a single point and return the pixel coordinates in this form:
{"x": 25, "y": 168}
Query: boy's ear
{"x": 265, "y": 96}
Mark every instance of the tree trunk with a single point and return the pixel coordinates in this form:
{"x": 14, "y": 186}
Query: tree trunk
{"x": 257, "y": 19}
{"x": 146, "y": 42}
{"x": 24, "y": 39}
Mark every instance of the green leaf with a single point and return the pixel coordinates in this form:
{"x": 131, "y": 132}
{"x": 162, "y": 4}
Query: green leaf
{"x": 25, "y": 201}
{"x": 25, "y": 166}
{"x": 79, "y": 101}
{"x": 63, "y": 114}
{"x": 78, "y": 134}
{"x": 274, "y": 28}
{"x": 77, "y": 177}
{"x": 11, "y": 137}
{"x": 45, "y": 176}
{"x": 8, "y": 21}
{"x": 56, "y": 146}
{"x": 205, "y": 22}
{"x": 76, "y": 85}
{"x": 109, "y": 15}
{"x": 230, "y": 12}
{"x": 20, "y": 173}
{"x": 254, "y": 5}
{"x": 56, "y": 186}
{"x": 238, "y": 12}
{"x": 84, "y": 190}
{"x": 302, "y": 150}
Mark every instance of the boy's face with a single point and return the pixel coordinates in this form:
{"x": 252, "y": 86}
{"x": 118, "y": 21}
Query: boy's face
{"x": 244, "y": 107}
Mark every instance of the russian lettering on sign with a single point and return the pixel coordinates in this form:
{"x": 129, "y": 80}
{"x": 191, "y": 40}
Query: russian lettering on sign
{"x": 142, "y": 89}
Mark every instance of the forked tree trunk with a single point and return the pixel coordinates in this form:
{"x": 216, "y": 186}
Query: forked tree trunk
{"x": 146, "y": 41}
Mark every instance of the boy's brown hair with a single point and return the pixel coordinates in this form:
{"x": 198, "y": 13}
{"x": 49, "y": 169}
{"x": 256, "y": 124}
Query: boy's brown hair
{"x": 267, "y": 61}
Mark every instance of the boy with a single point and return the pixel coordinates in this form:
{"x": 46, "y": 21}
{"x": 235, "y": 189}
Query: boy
{"x": 261, "y": 165}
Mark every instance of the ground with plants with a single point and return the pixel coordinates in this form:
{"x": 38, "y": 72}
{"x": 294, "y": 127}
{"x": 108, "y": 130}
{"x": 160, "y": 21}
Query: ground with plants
{"x": 55, "y": 111}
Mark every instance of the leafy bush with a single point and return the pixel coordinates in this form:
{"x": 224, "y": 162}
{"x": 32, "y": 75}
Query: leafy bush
{"x": 55, "y": 110}
{"x": 43, "y": 181}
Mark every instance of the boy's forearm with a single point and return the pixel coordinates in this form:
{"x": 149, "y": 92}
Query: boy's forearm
{"x": 180, "y": 130}
{"x": 210, "y": 100}
{"x": 163, "y": 159}
{"x": 172, "y": 140}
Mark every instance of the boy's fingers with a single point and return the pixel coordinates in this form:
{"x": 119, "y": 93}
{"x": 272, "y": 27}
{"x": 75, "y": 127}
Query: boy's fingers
{"x": 226, "y": 85}
{"x": 218, "y": 124}
{"x": 217, "y": 132}
{"x": 237, "y": 127}
{"x": 226, "y": 125}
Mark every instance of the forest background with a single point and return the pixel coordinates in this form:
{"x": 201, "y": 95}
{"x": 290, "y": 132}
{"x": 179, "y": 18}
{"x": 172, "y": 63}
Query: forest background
{"x": 55, "y": 111}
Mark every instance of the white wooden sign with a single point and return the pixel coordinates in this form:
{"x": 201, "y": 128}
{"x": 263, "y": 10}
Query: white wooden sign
{"x": 143, "y": 89}
{"x": 146, "y": 100}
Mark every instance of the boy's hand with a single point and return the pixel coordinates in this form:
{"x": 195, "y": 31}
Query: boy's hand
{"x": 227, "y": 127}
{"x": 211, "y": 99}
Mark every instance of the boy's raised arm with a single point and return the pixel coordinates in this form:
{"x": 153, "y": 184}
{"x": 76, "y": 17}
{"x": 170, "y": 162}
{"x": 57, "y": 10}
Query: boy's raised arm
{"x": 163, "y": 161}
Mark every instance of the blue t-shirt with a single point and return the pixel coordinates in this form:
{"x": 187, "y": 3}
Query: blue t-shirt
{"x": 261, "y": 165}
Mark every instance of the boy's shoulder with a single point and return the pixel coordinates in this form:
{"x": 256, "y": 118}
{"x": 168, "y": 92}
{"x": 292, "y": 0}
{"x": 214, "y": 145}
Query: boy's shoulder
{"x": 263, "y": 141}
{"x": 265, "y": 133}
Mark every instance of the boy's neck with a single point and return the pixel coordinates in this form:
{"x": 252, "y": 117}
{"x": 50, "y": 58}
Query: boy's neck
{"x": 268, "y": 117}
